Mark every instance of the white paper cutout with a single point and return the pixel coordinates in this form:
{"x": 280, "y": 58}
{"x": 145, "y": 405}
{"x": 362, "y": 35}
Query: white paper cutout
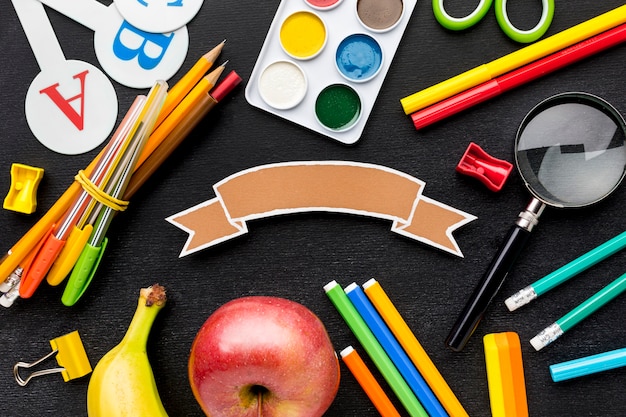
{"x": 333, "y": 186}
{"x": 71, "y": 106}
{"x": 129, "y": 55}
{"x": 158, "y": 16}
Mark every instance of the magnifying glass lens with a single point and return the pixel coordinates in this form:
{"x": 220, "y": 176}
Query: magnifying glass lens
{"x": 571, "y": 150}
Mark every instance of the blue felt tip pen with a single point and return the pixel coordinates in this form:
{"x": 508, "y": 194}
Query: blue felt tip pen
{"x": 397, "y": 355}
{"x": 588, "y": 365}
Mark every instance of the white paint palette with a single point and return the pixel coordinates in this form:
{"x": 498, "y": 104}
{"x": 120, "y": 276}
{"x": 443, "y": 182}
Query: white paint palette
{"x": 323, "y": 62}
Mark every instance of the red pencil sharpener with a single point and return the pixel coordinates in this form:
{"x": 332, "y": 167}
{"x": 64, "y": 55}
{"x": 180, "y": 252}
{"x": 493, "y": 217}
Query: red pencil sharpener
{"x": 491, "y": 171}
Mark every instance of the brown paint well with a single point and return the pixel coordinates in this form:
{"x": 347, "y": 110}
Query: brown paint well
{"x": 379, "y": 14}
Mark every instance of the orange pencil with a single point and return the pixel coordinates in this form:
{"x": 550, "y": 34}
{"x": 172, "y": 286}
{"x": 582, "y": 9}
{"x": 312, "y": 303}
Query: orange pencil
{"x": 11, "y": 292}
{"x": 169, "y": 125}
{"x": 176, "y": 94}
{"x": 23, "y": 246}
{"x": 413, "y": 348}
{"x": 369, "y": 384}
{"x": 180, "y": 132}
{"x": 190, "y": 101}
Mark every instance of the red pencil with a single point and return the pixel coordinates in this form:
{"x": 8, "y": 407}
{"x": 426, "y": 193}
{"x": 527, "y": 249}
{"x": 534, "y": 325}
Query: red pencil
{"x": 525, "y": 74}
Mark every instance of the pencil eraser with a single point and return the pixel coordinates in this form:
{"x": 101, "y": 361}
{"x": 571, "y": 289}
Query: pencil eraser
{"x": 520, "y": 298}
{"x": 351, "y": 287}
{"x": 346, "y": 351}
{"x": 330, "y": 285}
{"x": 546, "y": 336}
{"x": 369, "y": 283}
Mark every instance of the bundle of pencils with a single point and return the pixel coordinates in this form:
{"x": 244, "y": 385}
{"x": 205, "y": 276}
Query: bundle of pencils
{"x": 69, "y": 240}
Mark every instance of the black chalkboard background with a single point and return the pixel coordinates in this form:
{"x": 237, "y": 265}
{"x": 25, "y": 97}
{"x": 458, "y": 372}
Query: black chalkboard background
{"x": 294, "y": 256}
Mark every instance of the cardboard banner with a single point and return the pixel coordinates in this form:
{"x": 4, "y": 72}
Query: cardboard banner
{"x": 333, "y": 186}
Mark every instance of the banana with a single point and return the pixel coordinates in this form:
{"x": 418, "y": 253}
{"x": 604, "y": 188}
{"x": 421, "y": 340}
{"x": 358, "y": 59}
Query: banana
{"x": 122, "y": 383}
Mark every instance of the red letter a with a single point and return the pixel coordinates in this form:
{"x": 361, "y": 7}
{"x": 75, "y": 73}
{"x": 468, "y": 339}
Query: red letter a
{"x": 64, "y": 105}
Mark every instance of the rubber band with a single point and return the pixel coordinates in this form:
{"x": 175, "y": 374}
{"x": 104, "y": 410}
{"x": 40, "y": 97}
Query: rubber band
{"x": 98, "y": 194}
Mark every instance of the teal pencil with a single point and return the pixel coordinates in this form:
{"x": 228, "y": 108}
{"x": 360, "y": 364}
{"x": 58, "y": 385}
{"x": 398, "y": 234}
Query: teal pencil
{"x": 375, "y": 351}
{"x": 578, "y": 314}
{"x": 570, "y": 270}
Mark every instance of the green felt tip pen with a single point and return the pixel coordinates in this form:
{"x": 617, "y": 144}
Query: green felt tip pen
{"x": 578, "y": 314}
{"x": 358, "y": 326}
{"x": 89, "y": 259}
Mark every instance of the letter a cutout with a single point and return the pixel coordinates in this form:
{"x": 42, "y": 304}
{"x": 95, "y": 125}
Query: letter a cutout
{"x": 77, "y": 118}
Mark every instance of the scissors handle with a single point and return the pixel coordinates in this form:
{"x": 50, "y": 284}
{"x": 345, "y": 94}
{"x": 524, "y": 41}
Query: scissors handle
{"x": 460, "y": 23}
{"x": 525, "y": 36}
{"x": 502, "y": 16}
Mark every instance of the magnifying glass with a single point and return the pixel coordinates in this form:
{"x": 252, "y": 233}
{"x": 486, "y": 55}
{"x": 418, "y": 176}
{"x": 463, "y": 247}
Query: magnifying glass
{"x": 570, "y": 150}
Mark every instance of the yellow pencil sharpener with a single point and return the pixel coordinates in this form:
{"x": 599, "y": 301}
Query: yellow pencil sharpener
{"x": 22, "y": 196}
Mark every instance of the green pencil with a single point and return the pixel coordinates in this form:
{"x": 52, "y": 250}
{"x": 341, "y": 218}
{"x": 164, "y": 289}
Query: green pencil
{"x": 578, "y": 314}
{"x": 358, "y": 326}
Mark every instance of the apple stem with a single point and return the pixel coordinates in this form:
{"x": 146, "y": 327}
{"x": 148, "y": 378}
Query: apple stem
{"x": 260, "y": 402}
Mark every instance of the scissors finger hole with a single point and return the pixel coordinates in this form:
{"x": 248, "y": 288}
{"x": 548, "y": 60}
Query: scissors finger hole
{"x": 525, "y": 36}
{"x": 460, "y": 23}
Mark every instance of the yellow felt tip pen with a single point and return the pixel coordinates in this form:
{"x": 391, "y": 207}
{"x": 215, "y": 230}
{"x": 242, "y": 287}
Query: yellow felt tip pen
{"x": 69, "y": 254}
{"x": 514, "y": 60}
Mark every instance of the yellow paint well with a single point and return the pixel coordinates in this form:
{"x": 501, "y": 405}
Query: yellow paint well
{"x": 303, "y": 35}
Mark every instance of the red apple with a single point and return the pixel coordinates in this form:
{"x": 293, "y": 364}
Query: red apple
{"x": 263, "y": 356}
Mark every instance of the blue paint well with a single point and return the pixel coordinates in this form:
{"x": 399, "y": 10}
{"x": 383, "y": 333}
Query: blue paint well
{"x": 359, "y": 57}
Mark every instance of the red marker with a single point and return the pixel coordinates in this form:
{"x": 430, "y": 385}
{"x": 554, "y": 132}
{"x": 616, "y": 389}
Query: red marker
{"x": 530, "y": 72}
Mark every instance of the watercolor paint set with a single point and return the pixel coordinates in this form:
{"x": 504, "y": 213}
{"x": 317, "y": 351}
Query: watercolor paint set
{"x": 323, "y": 62}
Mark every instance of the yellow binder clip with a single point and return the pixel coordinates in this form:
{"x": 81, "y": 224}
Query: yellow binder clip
{"x": 71, "y": 357}
{"x": 22, "y": 196}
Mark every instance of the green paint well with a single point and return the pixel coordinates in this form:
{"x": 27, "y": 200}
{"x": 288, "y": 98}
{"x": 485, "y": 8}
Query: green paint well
{"x": 338, "y": 107}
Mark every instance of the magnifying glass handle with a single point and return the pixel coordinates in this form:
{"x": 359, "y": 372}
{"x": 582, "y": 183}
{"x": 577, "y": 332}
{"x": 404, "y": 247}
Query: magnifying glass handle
{"x": 496, "y": 273}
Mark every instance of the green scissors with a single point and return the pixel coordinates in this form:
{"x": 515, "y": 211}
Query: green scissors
{"x": 522, "y": 36}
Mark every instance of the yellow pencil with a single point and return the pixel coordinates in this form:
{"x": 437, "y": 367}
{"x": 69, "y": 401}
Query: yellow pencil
{"x": 20, "y": 249}
{"x": 176, "y": 94}
{"x": 514, "y": 60}
{"x": 413, "y": 348}
{"x": 190, "y": 101}
{"x": 369, "y": 384}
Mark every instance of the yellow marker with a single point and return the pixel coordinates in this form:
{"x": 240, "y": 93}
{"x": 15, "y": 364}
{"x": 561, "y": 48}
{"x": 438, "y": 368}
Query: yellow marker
{"x": 303, "y": 35}
{"x": 413, "y": 348}
{"x": 505, "y": 374}
{"x": 69, "y": 254}
{"x": 514, "y": 60}
{"x": 22, "y": 196}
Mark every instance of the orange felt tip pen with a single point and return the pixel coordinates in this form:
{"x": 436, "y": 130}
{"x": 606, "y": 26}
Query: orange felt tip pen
{"x": 55, "y": 242}
{"x": 366, "y": 379}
